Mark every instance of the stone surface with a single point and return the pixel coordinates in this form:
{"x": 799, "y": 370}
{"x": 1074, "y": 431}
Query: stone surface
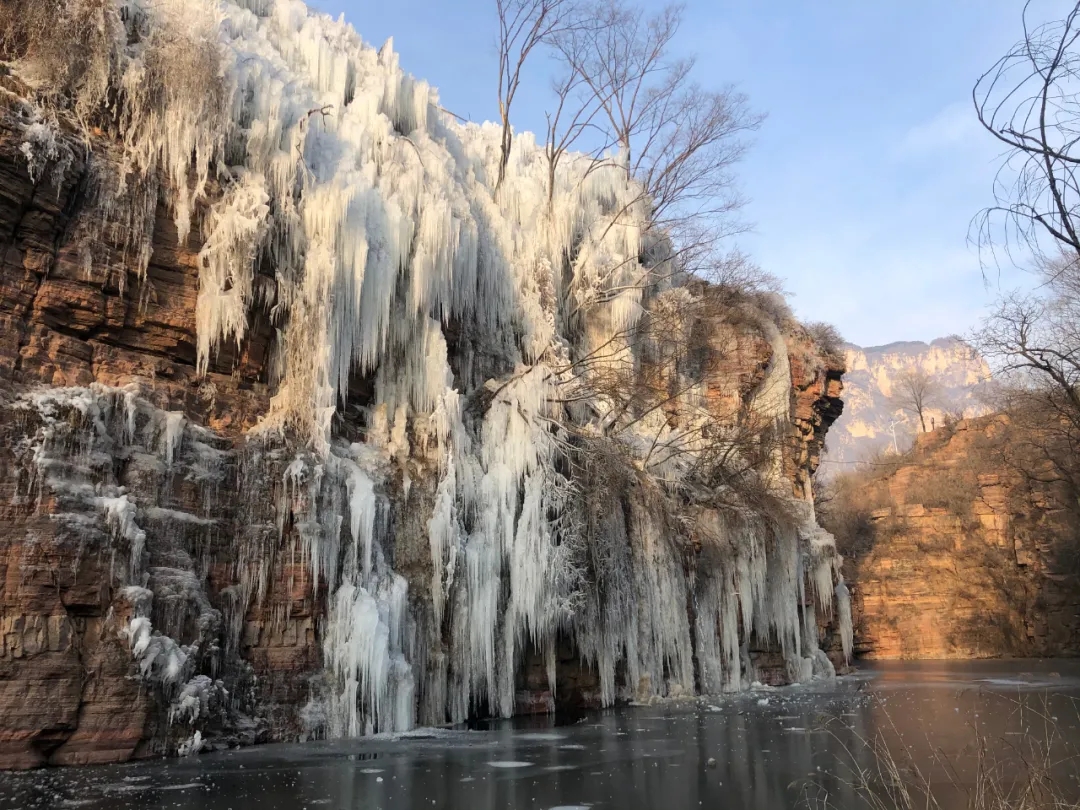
{"x": 966, "y": 557}
{"x": 872, "y": 411}
{"x": 70, "y": 690}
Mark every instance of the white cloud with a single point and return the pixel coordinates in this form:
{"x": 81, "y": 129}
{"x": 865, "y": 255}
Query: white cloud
{"x": 954, "y": 126}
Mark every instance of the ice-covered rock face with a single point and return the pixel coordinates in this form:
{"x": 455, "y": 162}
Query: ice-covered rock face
{"x": 491, "y": 493}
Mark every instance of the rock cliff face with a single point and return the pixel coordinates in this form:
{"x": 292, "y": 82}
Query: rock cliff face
{"x": 324, "y": 447}
{"x": 100, "y": 396}
{"x": 870, "y": 406}
{"x": 959, "y": 555}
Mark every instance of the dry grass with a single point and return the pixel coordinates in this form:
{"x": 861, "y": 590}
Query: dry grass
{"x": 72, "y": 48}
{"x": 1029, "y": 770}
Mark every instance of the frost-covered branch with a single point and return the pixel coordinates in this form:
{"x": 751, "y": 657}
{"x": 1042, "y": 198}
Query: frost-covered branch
{"x": 524, "y": 25}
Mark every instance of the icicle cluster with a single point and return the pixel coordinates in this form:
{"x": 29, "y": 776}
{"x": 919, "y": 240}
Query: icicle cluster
{"x": 78, "y": 440}
{"x": 465, "y": 312}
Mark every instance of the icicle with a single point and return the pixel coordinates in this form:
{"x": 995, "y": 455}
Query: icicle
{"x": 340, "y": 203}
{"x": 843, "y": 608}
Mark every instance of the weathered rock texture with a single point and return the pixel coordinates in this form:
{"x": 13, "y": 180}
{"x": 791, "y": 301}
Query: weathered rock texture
{"x": 115, "y": 452}
{"x": 68, "y": 687}
{"x": 955, "y": 554}
{"x": 871, "y": 408}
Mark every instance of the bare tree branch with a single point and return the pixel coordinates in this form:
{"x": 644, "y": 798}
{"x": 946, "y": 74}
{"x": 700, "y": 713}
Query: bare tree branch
{"x": 1028, "y": 101}
{"x": 524, "y": 25}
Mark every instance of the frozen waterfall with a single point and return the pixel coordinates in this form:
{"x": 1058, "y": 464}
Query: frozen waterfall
{"x": 485, "y": 329}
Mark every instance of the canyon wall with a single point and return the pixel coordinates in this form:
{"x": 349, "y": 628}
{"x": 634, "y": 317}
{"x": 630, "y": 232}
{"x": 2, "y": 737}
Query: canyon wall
{"x": 958, "y": 551}
{"x": 307, "y": 432}
{"x": 100, "y": 393}
{"x": 872, "y": 412}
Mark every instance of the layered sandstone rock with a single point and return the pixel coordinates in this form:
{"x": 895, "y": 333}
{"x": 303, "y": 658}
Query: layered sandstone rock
{"x": 116, "y": 347}
{"x": 962, "y": 555}
{"x": 160, "y": 560}
{"x": 68, "y": 686}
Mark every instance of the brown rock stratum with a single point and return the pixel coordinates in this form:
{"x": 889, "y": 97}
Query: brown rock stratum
{"x": 102, "y": 409}
{"x": 965, "y": 556}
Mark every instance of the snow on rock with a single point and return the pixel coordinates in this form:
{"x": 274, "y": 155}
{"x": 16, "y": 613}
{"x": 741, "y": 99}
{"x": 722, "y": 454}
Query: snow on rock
{"x": 80, "y": 440}
{"x": 43, "y": 145}
{"x": 191, "y": 746}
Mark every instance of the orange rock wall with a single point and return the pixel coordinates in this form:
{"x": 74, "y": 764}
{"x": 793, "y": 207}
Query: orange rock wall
{"x": 968, "y": 558}
{"x": 70, "y": 692}
{"x": 67, "y": 691}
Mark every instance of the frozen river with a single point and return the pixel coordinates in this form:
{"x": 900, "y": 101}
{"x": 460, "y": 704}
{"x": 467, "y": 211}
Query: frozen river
{"x": 768, "y": 749}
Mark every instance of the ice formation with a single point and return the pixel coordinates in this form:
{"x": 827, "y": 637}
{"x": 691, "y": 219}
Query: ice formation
{"x": 71, "y": 455}
{"x": 484, "y": 326}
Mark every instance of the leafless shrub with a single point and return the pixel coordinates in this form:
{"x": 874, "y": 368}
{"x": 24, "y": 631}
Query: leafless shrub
{"x": 150, "y": 75}
{"x": 954, "y": 488}
{"x": 827, "y": 338}
{"x": 72, "y": 49}
{"x": 846, "y": 504}
{"x": 682, "y": 398}
{"x": 1028, "y": 770}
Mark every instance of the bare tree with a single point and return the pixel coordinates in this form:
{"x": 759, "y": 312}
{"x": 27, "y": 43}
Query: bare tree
{"x": 1034, "y": 339}
{"x": 1033, "y": 342}
{"x": 524, "y": 25}
{"x": 1027, "y": 100}
{"x": 621, "y": 89}
{"x": 916, "y": 392}
{"x": 678, "y": 139}
{"x": 625, "y": 61}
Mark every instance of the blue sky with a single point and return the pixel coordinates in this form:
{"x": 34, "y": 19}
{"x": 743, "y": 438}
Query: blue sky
{"x": 869, "y": 167}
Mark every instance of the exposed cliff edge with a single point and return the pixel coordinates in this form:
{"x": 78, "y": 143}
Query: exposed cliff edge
{"x": 872, "y": 410}
{"x": 963, "y": 548}
{"x": 307, "y": 432}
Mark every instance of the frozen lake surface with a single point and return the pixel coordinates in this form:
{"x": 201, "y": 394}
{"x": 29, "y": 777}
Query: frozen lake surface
{"x": 771, "y": 749}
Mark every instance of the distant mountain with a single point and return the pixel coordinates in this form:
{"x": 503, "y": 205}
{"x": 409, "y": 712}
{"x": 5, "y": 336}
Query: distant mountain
{"x": 871, "y": 411}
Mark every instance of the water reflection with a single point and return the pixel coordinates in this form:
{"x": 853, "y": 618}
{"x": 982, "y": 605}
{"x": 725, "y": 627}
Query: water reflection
{"x": 773, "y": 749}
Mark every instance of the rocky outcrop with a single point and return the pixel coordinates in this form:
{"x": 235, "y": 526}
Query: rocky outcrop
{"x": 111, "y": 347}
{"x": 957, "y": 554}
{"x": 872, "y": 411}
{"x": 820, "y": 400}
{"x": 69, "y": 689}
{"x": 307, "y": 471}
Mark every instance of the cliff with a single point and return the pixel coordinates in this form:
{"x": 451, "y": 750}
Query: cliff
{"x": 960, "y": 549}
{"x": 871, "y": 410}
{"x": 102, "y": 409}
{"x": 307, "y": 432}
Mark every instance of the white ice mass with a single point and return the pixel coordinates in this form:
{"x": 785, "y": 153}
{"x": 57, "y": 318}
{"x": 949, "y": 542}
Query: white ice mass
{"x": 548, "y": 514}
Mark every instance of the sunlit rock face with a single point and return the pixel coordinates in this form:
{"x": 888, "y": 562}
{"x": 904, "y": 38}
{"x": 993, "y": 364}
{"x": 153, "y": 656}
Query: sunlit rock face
{"x": 872, "y": 397}
{"x": 309, "y": 432}
{"x": 962, "y": 555}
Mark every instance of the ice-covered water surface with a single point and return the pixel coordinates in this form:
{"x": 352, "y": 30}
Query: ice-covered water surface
{"x": 768, "y": 749}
